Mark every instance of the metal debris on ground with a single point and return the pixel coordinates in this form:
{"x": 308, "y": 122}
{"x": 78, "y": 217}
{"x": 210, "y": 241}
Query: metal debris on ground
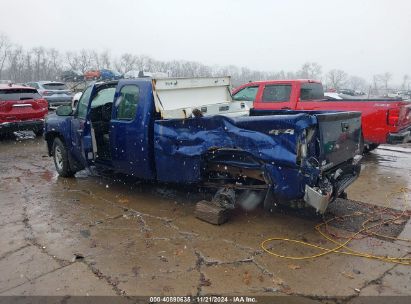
{"x": 211, "y": 213}
{"x": 22, "y": 135}
{"x": 77, "y": 257}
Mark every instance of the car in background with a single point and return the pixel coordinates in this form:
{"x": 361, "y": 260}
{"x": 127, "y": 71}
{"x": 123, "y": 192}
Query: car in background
{"x": 21, "y": 109}
{"x": 332, "y": 96}
{"x": 132, "y": 74}
{"x": 92, "y": 75}
{"x": 347, "y": 92}
{"x": 106, "y": 74}
{"x": 71, "y": 75}
{"x": 56, "y": 93}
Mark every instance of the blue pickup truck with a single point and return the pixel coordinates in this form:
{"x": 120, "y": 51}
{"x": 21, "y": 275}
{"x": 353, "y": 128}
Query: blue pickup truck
{"x": 190, "y": 131}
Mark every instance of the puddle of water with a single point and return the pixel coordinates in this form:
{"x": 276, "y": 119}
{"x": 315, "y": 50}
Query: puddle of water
{"x": 385, "y": 173}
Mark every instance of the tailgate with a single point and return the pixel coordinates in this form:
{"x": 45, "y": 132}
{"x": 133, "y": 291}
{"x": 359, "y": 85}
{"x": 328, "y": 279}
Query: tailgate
{"x": 340, "y": 134}
{"x": 404, "y": 119}
{"x": 22, "y": 109}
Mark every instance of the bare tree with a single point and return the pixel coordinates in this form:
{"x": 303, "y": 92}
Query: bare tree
{"x": 16, "y": 63}
{"x": 38, "y": 60}
{"x": 5, "y": 46}
{"x": 126, "y": 63}
{"x": 405, "y": 82}
{"x": 28, "y": 67}
{"x": 385, "y": 78}
{"x": 95, "y": 59}
{"x": 105, "y": 59}
{"x": 336, "y": 79}
{"x": 71, "y": 60}
{"x": 310, "y": 70}
{"x": 376, "y": 84}
{"x": 41, "y": 63}
{"x": 357, "y": 83}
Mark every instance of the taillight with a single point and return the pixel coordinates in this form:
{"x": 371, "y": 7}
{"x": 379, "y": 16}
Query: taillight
{"x": 42, "y": 103}
{"x": 47, "y": 93}
{"x": 393, "y": 117}
{"x": 3, "y": 105}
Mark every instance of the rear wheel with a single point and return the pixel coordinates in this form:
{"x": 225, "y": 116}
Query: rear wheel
{"x": 371, "y": 147}
{"x": 61, "y": 159}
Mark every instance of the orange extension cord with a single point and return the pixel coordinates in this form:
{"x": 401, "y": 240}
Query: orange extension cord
{"x": 341, "y": 247}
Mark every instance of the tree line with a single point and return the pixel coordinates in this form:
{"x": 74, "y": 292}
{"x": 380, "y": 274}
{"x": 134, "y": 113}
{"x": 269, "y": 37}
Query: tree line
{"x": 39, "y": 63}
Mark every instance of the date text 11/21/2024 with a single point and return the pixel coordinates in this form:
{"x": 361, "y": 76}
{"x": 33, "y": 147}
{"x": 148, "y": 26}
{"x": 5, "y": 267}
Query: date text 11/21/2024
{"x": 203, "y": 299}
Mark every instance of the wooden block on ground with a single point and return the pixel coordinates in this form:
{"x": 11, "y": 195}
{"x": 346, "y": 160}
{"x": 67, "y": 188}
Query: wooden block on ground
{"x": 211, "y": 213}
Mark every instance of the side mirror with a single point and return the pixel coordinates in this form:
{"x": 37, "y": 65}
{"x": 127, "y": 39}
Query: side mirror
{"x": 64, "y": 110}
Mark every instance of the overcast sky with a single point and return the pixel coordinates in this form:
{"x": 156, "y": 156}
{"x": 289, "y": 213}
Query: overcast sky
{"x": 362, "y": 37}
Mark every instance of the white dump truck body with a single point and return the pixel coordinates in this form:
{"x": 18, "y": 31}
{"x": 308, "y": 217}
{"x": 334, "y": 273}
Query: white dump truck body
{"x": 178, "y": 97}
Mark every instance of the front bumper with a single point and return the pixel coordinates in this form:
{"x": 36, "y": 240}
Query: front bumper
{"x": 25, "y": 125}
{"x": 401, "y": 137}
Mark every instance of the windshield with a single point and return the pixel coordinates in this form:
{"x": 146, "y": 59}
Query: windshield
{"x": 54, "y": 86}
{"x": 19, "y": 94}
{"x": 246, "y": 94}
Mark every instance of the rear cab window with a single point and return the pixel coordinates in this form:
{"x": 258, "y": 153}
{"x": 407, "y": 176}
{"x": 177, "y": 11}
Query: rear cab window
{"x": 246, "y": 94}
{"x": 276, "y": 93}
{"x": 19, "y": 94}
{"x": 311, "y": 91}
{"x": 127, "y": 102}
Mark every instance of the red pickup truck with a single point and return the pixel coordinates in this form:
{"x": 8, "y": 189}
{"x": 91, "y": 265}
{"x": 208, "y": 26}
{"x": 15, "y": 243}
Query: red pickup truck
{"x": 383, "y": 120}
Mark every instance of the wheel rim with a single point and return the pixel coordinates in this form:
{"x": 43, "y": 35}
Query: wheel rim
{"x": 58, "y": 156}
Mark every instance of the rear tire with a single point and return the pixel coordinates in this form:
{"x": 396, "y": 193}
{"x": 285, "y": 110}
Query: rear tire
{"x": 370, "y": 147}
{"x": 60, "y": 158}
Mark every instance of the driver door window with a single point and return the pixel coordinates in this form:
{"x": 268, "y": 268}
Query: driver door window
{"x": 83, "y": 103}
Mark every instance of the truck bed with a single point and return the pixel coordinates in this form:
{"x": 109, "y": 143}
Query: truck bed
{"x": 340, "y": 134}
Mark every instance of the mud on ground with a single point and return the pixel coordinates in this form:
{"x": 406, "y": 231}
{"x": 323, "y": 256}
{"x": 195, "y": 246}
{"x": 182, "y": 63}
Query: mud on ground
{"x": 96, "y": 235}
